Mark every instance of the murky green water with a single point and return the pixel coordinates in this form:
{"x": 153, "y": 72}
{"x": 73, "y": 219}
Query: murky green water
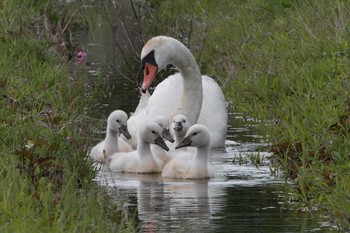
{"x": 241, "y": 198}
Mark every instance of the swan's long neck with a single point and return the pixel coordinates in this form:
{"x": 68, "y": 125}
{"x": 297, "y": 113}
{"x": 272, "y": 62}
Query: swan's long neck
{"x": 112, "y": 139}
{"x": 144, "y": 150}
{"x": 192, "y": 92}
{"x": 200, "y": 160}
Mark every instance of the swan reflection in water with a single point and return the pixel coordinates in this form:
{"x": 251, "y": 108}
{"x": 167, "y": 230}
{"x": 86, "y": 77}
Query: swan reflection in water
{"x": 162, "y": 203}
{"x": 174, "y": 205}
{"x": 241, "y": 198}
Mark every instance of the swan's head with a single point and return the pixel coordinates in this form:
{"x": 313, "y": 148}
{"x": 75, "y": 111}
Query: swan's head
{"x": 157, "y": 53}
{"x": 197, "y": 135}
{"x": 164, "y": 124}
{"x": 180, "y": 125}
{"x": 117, "y": 122}
{"x": 151, "y": 133}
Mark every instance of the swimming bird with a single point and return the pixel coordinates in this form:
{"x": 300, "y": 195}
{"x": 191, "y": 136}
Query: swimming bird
{"x": 188, "y": 93}
{"x": 179, "y": 127}
{"x": 191, "y": 165}
{"x": 141, "y": 160}
{"x": 116, "y": 123}
{"x": 137, "y": 117}
{"x": 160, "y": 155}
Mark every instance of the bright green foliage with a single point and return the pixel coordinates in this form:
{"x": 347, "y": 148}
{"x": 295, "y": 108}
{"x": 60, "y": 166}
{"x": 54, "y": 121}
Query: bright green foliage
{"x": 46, "y": 181}
{"x": 290, "y": 67}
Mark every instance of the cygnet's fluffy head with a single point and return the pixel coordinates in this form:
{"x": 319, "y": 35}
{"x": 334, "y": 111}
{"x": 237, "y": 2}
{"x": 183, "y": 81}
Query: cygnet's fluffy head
{"x": 197, "y": 135}
{"x": 180, "y": 125}
{"x": 117, "y": 122}
{"x": 151, "y": 133}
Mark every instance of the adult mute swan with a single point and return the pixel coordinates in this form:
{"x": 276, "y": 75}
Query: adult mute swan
{"x": 191, "y": 165}
{"x": 141, "y": 160}
{"x": 137, "y": 118}
{"x": 116, "y": 123}
{"x": 188, "y": 93}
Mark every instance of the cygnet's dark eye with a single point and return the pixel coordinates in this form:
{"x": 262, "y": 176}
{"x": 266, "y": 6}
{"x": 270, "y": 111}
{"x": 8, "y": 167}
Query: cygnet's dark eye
{"x": 184, "y": 121}
{"x": 153, "y": 132}
{"x": 194, "y": 134}
{"x": 118, "y": 121}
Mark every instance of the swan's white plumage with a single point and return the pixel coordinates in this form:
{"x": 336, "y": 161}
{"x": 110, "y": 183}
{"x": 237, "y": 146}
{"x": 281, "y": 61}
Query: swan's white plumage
{"x": 179, "y": 127}
{"x": 160, "y": 155}
{"x": 192, "y": 165}
{"x": 141, "y": 160}
{"x": 123, "y": 145}
{"x": 137, "y": 118}
{"x": 198, "y": 97}
{"x": 112, "y": 143}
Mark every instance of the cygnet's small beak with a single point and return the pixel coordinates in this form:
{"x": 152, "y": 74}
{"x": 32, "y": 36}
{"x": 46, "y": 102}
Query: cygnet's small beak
{"x": 178, "y": 126}
{"x": 185, "y": 142}
{"x": 167, "y": 135}
{"x": 160, "y": 142}
{"x": 124, "y": 130}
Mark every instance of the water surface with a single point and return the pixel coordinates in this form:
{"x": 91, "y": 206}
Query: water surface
{"x": 241, "y": 198}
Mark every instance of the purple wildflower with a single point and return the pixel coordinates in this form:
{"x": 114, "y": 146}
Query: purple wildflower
{"x": 81, "y": 56}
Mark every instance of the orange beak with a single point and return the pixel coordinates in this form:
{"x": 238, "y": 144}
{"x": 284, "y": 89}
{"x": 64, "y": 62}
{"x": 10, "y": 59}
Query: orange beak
{"x": 149, "y": 72}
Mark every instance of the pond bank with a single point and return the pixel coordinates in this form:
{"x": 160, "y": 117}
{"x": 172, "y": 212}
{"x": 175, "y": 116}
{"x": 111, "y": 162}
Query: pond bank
{"x": 46, "y": 182}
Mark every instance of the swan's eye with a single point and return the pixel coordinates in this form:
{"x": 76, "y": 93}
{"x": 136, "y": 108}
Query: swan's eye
{"x": 194, "y": 134}
{"x": 184, "y": 121}
{"x": 118, "y": 121}
{"x": 153, "y": 132}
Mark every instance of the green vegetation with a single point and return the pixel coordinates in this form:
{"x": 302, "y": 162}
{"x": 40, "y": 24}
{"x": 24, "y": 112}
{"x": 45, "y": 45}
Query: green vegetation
{"x": 287, "y": 64}
{"x": 284, "y": 62}
{"x": 46, "y": 181}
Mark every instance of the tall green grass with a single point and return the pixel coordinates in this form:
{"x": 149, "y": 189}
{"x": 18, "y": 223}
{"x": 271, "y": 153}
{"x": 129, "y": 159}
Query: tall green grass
{"x": 46, "y": 181}
{"x": 292, "y": 71}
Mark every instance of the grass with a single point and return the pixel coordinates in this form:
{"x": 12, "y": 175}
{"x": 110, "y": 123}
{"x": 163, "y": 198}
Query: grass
{"x": 285, "y": 63}
{"x": 291, "y": 70}
{"x": 46, "y": 181}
